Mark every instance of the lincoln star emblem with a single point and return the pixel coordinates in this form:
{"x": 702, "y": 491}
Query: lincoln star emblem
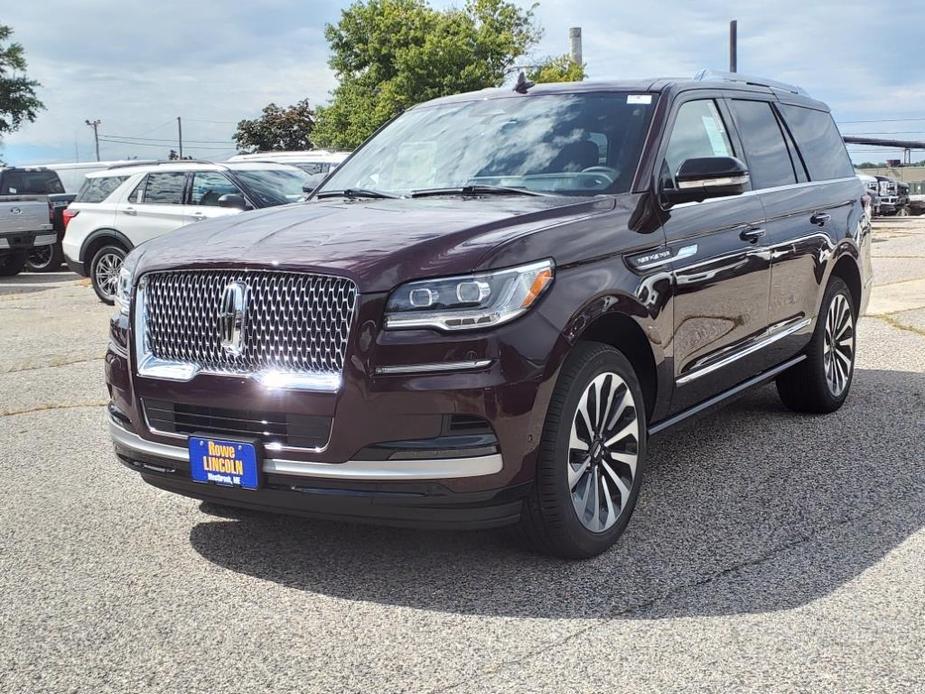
{"x": 231, "y": 317}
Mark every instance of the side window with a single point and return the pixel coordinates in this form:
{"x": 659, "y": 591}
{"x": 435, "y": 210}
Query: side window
{"x": 99, "y": 188}
{"x": 209, "y": 186}
{"x": 819, "y": 141}
{"x": 768, "y": 159}
{"x": 698, "y": 132}
{"x": 165, "y": 188}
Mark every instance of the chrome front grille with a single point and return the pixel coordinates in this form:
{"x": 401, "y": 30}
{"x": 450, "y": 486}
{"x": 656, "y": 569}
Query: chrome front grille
{"x": 291, "y": 323}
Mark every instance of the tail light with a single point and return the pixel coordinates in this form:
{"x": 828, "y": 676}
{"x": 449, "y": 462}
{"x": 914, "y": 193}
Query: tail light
{"x": 68, "y": 215}
{"x": 51, "y": 213}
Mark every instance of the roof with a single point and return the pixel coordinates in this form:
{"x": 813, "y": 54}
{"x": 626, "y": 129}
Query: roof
{"x": 191, "y": 166}
{"x": 321, "y": 156}
{"x": 704, "y": 80}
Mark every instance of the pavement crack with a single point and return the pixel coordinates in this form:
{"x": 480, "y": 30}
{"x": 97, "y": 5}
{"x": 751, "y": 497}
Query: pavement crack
{"x": 52, "y": 365}
{"x": 669, "y": 593}
{"x": 894, "y": 323}
{"x": 46, "y": 407}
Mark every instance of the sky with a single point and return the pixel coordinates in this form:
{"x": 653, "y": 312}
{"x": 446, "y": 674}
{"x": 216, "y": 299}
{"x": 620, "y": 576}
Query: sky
{"x": 136, "y": 66}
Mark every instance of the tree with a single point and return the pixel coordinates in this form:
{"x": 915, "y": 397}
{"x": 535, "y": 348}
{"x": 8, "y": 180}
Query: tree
{"x": 559, "y": 69}
{"x": 278, "y": 129}
{"x": 18, "y": 102}
{"x": 391, "y": 54}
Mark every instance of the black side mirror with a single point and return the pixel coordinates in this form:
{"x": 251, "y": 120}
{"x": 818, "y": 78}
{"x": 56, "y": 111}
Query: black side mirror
{"x": 708, "y": 177}
{"x": 233, "y": 200}
{"x": 309, "y": 188}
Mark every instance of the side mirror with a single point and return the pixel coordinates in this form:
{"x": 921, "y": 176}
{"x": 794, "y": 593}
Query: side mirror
{"x": 708, "y": 177}
{"x": 309, "y": 188}
{"x": 233, "y": 200}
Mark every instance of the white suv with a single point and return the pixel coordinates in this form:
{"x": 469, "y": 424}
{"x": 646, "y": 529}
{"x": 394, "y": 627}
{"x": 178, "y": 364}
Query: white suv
{"x": 119, "y": 208}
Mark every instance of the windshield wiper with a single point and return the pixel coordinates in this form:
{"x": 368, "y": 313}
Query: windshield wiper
{"x": 473, "y": 190}
{"x": 354, "y": 193}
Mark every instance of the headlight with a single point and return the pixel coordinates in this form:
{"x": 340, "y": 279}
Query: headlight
{"x": 470, "y": 301}
{"x": 126, "y": 279}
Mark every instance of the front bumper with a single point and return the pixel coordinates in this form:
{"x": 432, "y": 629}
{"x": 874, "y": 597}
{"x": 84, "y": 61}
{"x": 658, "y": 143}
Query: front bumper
{"x": 398, "y": 493}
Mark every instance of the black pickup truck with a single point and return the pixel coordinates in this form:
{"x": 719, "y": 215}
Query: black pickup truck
{"x": 40, "y": 181}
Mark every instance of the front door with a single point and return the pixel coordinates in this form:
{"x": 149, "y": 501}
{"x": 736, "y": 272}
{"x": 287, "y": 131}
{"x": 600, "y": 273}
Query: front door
{"x": 720, "y": 267}
{"x": 206, "y": 189}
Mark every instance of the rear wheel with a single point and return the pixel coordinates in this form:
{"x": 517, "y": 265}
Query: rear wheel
{"x": 591, "y": 456}
{"x": 12, "y": 263}
{"x": 821, "y": 382}
{"x": 45, "y": 258}
{"x": 104, "y": 272}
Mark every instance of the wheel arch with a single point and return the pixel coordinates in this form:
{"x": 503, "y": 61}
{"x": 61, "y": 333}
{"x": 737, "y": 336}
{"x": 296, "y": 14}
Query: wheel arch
{"x": 99, "y": 238}
{"x": 846, "y": 268}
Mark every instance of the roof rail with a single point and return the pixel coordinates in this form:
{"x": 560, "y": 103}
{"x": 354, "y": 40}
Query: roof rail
{"x": 707, "y": 75}
{"x": 162, "y": 162}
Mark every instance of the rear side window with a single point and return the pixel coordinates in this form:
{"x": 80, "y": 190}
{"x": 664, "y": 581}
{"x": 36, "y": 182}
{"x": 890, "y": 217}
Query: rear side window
{"x": 31, "y": 182}
{"x": 165, "y": 188}
{"x": 698, "y": 132}
{"x": 819, "y": 141}
{"x": 98, "y": 189}
{"x": 768, "y": 158}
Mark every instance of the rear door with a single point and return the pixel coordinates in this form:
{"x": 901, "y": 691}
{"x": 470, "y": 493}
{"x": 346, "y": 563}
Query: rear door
{"x": 155, "y": 207}
{"x": 205, "y": 190}
{"x": 721, "y": 276}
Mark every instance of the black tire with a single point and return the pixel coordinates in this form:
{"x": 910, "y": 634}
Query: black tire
{"x": 807, "y": 386}
{"x": 45, "y": 258}
{"x": 550, "y": 519}
{"x": 106, "y": 260}
{"x": 12, "y": 263}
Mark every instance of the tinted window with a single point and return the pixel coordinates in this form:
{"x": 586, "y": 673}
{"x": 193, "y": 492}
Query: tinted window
{"x": 98, "y": 189}
{"x": 209, "y": 186}
{"x": 819, "y": 141}
{"x": 698, "y": 132}
{"x": 313, "y": 167}
{"x": 165, "y": 188}
{"x": 30, "y": 182}
{"x": 274, "y": 186}
{"x": 768, "y": 159}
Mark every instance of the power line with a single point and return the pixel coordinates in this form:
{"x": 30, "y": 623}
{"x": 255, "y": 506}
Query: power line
{"x": 879, "y": 120}
{"x": 164, "y": 139}
{"x": 227, "y": 148}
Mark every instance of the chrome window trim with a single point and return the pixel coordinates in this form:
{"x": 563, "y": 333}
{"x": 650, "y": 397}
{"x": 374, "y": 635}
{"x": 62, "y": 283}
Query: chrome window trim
{"x": 771, "y": 335}
{"x": 369, "y": 470}
{"x": 760, "y": 191}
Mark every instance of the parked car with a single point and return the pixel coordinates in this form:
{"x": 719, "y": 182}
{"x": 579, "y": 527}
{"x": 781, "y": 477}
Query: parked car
{"x": 73, "y": 174}
{"x": 482, "y": 316}
{"x": 894, "y": 197}
{"x": 125, "y": 206}
{"x": 313, "y": 161}
{"x": 872, "y": 187}
{"x": 45, "y": 183}
{"x": 24, "y": 225}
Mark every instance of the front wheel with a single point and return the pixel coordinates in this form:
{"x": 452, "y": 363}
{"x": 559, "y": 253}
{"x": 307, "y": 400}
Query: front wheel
{"x": 821, "y": 382}
{"x": 591, "y": 456}
{"x": 104, "y": 272}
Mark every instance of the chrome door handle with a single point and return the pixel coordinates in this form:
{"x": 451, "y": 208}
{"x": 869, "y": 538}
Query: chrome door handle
{"x": 820, "y": 218}
{"x": 130, "y": 210}
{"x": 752, "y": 235}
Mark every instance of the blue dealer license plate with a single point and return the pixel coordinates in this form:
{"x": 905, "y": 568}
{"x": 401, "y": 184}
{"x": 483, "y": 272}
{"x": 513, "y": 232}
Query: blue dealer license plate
{"x": 227, "y": 463}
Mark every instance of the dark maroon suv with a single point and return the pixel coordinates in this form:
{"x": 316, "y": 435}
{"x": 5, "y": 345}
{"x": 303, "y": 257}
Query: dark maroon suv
{"x": 481, "y": 317}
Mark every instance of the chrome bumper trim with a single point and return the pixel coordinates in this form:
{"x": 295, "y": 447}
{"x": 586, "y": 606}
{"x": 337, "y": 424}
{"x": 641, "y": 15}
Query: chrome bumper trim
{"x": 371, "y": 470}
{"x": 429, "y": 368}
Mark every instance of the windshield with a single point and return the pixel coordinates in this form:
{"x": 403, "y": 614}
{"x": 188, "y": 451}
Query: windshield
{"x": 571, "y": 144}
{"x": 273, "y": 186}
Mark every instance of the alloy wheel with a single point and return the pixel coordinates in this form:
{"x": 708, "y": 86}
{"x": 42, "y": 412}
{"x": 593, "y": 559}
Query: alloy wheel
{"x": 838, "y": 348}
{"x": 106, "y": 273}
{"x": 603, "y": 452}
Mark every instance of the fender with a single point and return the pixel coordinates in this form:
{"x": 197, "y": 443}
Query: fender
{"x": 103, "y": 233}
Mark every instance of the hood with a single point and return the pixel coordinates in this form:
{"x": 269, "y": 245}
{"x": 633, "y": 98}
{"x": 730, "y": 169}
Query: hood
{"x": 377, "y": 243}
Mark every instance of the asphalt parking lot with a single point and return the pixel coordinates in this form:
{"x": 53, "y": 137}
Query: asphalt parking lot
{"x": 769, "y": 550}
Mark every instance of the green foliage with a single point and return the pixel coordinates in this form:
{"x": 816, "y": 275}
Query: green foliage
{"x": 278, "y": 129}
{"x": 18, "y": 102}
{"x": 391, "y": 54}
{"x": 559, "y": 69}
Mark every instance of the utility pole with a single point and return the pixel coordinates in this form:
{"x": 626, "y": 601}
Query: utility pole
{"x": 95, "y": 124}
{"x": 733, "y": 45}
{"x": 180, "y": 135}
{"x": 574, "y": 42}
